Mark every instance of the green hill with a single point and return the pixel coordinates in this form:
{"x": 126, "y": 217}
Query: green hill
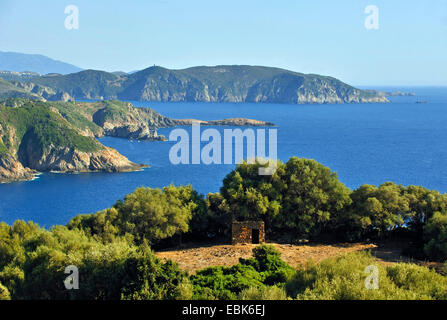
{"x": 60, "y": 136}
{"x": 204, "y": 84}
{"x": 8, "y": 90}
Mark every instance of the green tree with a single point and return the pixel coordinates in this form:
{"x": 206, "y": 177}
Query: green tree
{"x": 423, "y": 204}
{"x": 312, "y": 195}
{"x": 147, "y": 278}
{"x": 103, "y": 225}
{"x": 4, "y": 293}
{"x": 155, "y": 214}
{"x": 435, "y": 233}
{"x": 250, "y": 196}
{"x": 374, "y": 211}
{"x": 213, "y": 220}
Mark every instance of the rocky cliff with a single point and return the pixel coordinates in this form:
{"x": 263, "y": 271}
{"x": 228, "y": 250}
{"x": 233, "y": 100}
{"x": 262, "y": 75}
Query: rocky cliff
{"x": 61, "y": 136}
{"x": 35, "y": 138}
{"x": 201, "y": 84}
{"x": 12, "y": 170}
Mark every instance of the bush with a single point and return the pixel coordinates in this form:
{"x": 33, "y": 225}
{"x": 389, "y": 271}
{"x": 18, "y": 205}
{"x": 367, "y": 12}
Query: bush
{"x": 265, "y": 268}
{"x": 4, "y": 293}
{"x": 107, "y": 271}
{"x": 224, "y": 283}
{"x": 263, "y": 293}
{"x": 435, "y": 232}
{"x": 418, "y": 279}
{"x": 146, "y": 214}
{"x": 147, "y": 278}
{"x": 343, "y": 278}
{"x": 267, "y": 261}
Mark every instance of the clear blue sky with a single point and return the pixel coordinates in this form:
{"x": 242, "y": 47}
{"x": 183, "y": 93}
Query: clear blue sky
{"x": 311, "y": 36}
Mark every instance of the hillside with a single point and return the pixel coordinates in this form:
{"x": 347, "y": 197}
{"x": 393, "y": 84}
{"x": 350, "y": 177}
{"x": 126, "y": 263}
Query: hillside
{"x": 194, "y": 258}
{"x": 34, "y": 136}
{"x": 61, "y": 136}
{"x": 204, "y": 84}
{"x": 8, "y": 90}
{"x": 18, "y": 76}
{"x": 20, "y": 62}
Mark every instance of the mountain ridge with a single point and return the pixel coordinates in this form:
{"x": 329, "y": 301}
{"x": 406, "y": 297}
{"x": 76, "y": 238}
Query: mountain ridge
{"x": 235, "y": 83}
{"x": 23, "y": 62}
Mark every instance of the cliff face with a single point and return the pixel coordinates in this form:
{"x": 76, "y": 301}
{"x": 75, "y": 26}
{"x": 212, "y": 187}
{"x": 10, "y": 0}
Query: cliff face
{"x": 122, "y": 120}
{"x": 36, "y": 137}
{"x": 200, "y": 84}
{"x": 63, "y": 159}
{"x": 12, "y": 170}
{"x": 61, "y": 136}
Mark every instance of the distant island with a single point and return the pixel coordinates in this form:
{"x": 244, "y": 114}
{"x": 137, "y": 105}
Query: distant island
{"x": 237, "y": 83}
{"x": 40, "y": 136}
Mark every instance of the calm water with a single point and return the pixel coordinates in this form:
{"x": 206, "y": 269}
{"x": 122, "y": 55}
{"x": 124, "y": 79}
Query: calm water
{"x": 402, "y": 142}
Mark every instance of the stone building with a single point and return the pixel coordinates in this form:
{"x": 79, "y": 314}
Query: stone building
{"x": 248, "y": 232}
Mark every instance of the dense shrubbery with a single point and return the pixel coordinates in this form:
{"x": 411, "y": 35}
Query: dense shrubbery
{"x": 4, "y": 293}
{"x": 265, "y": 269}
{"x": 343, "y": 278}
{"x": 146, "y": 214}
{"x": 33, "y": 262}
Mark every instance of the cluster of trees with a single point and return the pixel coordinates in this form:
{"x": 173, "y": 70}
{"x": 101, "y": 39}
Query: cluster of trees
{"x": 302, "y": 199}
{"x": 33, "y": 262}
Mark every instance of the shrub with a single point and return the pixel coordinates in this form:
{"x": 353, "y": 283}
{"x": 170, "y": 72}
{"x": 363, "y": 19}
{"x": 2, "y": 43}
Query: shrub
{"x": 343, "y": 278}
{"x": 263, "y": 293}
{"x": 435, "y": 232}
{"x": 265, "y": 268}
{"x": 224, "y": 283}
{"x": 421, "y": 280}
{"x": 4, "y": 293}
{"x": 267, "y": 261}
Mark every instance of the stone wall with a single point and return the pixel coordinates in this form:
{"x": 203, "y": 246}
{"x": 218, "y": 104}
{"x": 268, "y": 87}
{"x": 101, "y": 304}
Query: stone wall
{"x": 242, "y": 231}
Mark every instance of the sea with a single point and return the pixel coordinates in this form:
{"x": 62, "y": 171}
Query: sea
{"x": 404, "y": 141}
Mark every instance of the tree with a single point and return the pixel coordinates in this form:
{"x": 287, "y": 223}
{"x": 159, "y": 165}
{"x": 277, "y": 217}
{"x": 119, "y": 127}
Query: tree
{"x": 147, "y": 278}
{"x": 213, "y": 220}
{"x": 312, "y": 195}
{"x": 250, "y": 196}
{"x": 155, "y": 214}
{"x": 423, "y": 204}
{"x": 4, "y": 293}
{"x": 103, "y": 225}
{"x": 374, "y": 211}
{"x": 435, "y": 233}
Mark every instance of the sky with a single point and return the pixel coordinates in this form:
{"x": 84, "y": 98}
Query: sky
{"x": 327, "y": 37}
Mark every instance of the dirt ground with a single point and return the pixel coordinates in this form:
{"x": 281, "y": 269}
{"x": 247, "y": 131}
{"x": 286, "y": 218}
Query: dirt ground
{"x": 196, "y": 257}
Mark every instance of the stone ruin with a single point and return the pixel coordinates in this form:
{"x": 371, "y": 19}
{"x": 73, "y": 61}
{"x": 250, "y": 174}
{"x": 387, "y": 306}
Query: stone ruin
{"x": 248, "y": 232}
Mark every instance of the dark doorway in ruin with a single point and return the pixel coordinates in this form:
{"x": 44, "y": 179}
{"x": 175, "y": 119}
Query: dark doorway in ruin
{"x": 255, "y": 236}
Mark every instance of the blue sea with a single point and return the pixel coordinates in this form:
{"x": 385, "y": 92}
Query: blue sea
{"x": 403, "y": 141}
